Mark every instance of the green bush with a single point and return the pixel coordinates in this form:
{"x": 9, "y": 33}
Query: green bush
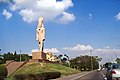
{"x": 3, "y": 70}
{"x": 42, "y": 76}
{"x": 1, "y": 78}
{"x": 19, "y": 77}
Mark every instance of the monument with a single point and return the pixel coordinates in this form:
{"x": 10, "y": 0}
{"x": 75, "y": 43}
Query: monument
{"x": 40, "y": 34}
{"x": 40, "y": 37}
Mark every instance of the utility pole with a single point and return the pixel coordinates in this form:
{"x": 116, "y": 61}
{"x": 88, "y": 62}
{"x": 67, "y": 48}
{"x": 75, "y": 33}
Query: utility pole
{"x": 20, "y": 55}
{"x": 91, "y": 59}
{"x": 117, "y": 52}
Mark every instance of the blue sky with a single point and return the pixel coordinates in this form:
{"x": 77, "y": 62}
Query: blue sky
{"x": 72, "y": 26}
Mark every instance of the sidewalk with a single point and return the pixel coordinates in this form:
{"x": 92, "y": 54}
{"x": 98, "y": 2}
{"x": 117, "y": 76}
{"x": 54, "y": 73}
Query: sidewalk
{"x": 74, "y": 76}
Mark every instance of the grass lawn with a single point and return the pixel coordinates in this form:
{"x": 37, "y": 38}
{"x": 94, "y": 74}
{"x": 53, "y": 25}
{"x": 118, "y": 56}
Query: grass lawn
{"x": 37, "y": 67}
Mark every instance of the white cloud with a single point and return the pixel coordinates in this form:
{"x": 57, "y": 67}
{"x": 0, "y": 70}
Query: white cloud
{"x": 7, "y": 14}
{"x": 107, "y": 53}
{"x": 1, "y": 1}
{"x": 90, "y": 16}
{"x": 35, "y": 50}
{"x": 118, "y": 16}
{"x": 107, "y": 50}
{"x": 31, "y": 10}
{"x": 4, "y": 1}
{"x": 28, "y": 15}
{"x": 53, "y": 50}
{"x": 79, "y": 48}
{"x": 66, "y": 18}
{"x": 107, "y": 47}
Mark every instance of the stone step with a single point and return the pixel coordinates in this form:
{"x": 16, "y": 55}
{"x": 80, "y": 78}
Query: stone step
{"x": 13, "y": 66}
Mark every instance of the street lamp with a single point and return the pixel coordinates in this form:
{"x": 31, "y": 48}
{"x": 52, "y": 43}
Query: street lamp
{"x": 91, "y": 59}
{"x": 116, "y": 52}
{"x": 20, "y": 55}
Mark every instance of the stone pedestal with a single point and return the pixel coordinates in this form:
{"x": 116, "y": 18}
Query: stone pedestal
{"x": 39, "y": 55}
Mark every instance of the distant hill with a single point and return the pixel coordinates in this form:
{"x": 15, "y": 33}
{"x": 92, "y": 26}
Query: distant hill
{"x": 37, "y": 67}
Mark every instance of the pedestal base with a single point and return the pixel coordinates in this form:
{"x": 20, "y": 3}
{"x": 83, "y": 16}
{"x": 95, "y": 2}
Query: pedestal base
{"x": 39, "y": 55}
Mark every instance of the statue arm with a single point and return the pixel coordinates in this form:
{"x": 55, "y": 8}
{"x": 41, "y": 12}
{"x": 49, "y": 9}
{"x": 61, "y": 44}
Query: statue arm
{"x": 43, "y": 34}
{"x": 37, "y": 33}
{"x": 39, "y": 25}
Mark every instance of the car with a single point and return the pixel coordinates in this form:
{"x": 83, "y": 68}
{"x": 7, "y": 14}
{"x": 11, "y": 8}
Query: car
{"x": 113, "y": 72}
{"x": 103, "y": 68}
{"x": 98, "y": 70}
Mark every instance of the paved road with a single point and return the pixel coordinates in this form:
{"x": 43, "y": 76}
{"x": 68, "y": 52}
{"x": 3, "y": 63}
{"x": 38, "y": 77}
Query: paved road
{"x": 90, "y": 75}
{"x": 94, "y": 75}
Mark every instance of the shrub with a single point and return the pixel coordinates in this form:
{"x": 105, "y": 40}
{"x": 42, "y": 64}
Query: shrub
{"x": 3, "y": 70}
{"x": 1, "y": 78}
{"x": 19, "y": 77}
{"x": 42, "y": 76}
{"x": 52, "y": 75}
{"x": 30, "y": 77}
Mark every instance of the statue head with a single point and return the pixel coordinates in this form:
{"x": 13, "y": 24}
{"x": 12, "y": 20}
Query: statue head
{"x": 40, "y": 20}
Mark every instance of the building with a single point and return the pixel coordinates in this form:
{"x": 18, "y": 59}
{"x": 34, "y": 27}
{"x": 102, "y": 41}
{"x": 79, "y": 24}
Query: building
{"x": 50, "y": 57}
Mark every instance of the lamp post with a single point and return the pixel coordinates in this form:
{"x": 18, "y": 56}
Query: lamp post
{"x": 20, "y": 55}
{"x": 79, "y": 67}
{"x": 118, "y": 51}
{"x": 91, "y": 59}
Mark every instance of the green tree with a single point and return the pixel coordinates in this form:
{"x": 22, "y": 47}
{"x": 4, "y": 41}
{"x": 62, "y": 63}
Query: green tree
{"x": 64, "y": 59}
{"x": 14, "y": 56}
{"x": 3, "y": 70}
{"x": 2, "y": 60}
{"x": 8, "y": 56}
{"x": 118, "y": 60}
{"x": 84, "y": 62}
{"x": 25, "y": 57}
{"x": 107, "y": 64}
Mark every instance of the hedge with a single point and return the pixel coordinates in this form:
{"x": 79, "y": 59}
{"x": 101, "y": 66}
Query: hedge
{"x": 3, "y": 71}
{"x": 1, "y": 78}
{"x": 42, "y": 76}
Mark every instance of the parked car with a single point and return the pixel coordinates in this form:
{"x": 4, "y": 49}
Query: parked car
{"x": 98, "y": 70}
{"x": 113, "y": 72}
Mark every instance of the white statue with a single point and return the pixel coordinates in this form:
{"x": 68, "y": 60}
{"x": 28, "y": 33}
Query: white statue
{"x": 40, "y": 34}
